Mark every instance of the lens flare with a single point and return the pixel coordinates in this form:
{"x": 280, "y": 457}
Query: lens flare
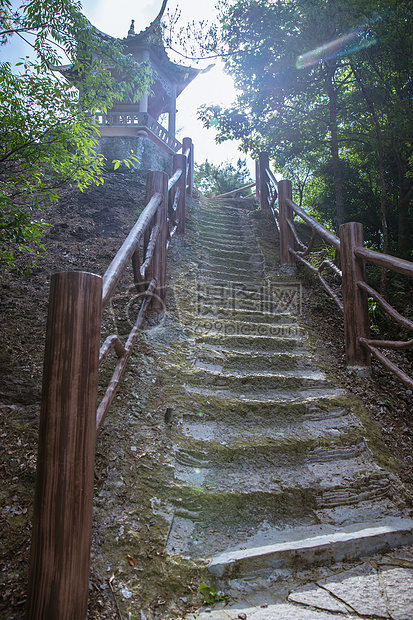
{"x": 346, "y": 44}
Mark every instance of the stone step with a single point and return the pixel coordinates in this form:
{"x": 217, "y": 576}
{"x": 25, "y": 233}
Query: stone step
{"x": 210, "y": 325}
{"x": 230, "y": 272}
{"x": 209, "y": 311}
{"x": 314, "y": 546}
{"x": 209, "y": 523}
{"x": 290, "y": 337}
{"x": 220, "y": 234}
{"x": 277, "y": 458}
{"x": 240, "y": 250}
{"x": 261, "y": 397}
{"x": 232, "y": 241}
{"x": 214, "y": 261}
{"x": 252, "y": 381}
{"x": 236, "y": 296}
{"x": 242, "y": 361}
{"x": 239, "y": 416}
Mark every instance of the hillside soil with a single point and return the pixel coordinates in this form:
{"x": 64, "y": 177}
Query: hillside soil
{"x": 85, "y": 231}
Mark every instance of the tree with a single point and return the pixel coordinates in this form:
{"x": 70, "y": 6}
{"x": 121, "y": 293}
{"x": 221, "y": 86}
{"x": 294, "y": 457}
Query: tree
{"x": 330, "y": 82}
{"x": 47, "y": 136}
{"x": 223, "y": 178}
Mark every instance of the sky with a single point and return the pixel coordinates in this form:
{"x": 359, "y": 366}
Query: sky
{"x": 215, "y": 87}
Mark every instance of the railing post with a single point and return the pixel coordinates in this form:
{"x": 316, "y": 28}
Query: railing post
{"x": 157, "y": 182}
{"x": 356, "y": 314}
{"x": 263, "y": 189}
{"x": 187, "y": 144}
{"x": 179, "y": 162}
{"x": 62, "y": 519}
{"x": 285, "y": 213}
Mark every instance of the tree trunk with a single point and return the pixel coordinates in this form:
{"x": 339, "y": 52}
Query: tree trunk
{"x": 338, "y": 183}
{"x": 403, "y": 223}
{"x": 405, "y": 197}
{"x": 383, "y": 210}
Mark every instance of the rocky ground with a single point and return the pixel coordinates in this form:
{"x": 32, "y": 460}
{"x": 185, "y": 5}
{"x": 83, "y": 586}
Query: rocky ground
{"x": 85, "y": 231}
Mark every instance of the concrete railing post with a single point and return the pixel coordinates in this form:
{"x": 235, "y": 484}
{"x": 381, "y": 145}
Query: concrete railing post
{"x": 356, "y": 313}
{"x": 62, "y": 519}
{"x": 179, "y": 162}
{"x": 285, "y": 214}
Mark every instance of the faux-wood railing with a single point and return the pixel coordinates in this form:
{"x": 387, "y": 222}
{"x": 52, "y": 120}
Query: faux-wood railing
{"x": 69, "y": 422}
{"x": 355, "y": 290}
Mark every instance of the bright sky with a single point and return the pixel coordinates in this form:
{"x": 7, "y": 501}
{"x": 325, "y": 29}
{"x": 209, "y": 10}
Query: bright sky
{"x": 215, "y": 87}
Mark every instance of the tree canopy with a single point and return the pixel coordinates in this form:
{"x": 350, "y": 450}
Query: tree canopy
{"x": 220, "y": 179}
{"x": 326, "y": 89}
{"x": 46, "y": 134}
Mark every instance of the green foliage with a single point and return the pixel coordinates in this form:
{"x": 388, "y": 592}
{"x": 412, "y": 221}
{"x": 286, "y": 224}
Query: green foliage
{"x": 129, "y": 162}
{"x": 335, "y": 118}
{"x": 210, "y": 594}
{"x": 223, "y": 178}
{"x": 47, "y": 137}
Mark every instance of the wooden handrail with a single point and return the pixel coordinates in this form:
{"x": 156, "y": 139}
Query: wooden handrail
{"x": 117, "y": 267}
{"x": 123, "y": 360}
{"x": 59, "y": 588}
{"x": 271, "y": 177}
{"x": 387, "y": 261}
{"x": 326, "y": 234}
{"x": 392, "y": 312}
{"x": 111, "y": 342}
{"x": 389, "y": 365}
{"x": 235, "y": 191}
{"x": 174, "y": 178}
{"x": 359, "y": 347}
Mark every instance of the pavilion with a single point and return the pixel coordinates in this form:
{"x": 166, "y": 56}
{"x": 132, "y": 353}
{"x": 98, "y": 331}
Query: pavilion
{"x": 130, "y": 125}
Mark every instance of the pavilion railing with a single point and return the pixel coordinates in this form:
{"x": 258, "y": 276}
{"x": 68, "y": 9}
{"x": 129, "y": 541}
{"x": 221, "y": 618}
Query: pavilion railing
{"x": 140, "y": 121}
{"x": 69, "y": 422}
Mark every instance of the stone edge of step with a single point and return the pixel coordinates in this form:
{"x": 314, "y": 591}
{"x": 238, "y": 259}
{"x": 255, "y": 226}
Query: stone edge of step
{"x": 351, "y": 542}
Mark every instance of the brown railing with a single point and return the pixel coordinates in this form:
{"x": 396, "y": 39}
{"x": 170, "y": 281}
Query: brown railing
{"x": 351, "y": 297}
{"x": 234, "y": 192}
{"x": 69, "y": 422}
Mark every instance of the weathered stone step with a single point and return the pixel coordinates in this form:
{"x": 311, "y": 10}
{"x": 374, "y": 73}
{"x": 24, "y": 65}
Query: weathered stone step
{"x": 253, "y": 381}
{"x": 259, "y": 396}
{"x": 220, "y": 233}
{"x": 327, "y": 488}
{"x": 207, "y": 523}
{"x": 255, "y": 293}
{"x": 230, "y": 272}
{"x": 245, "y": 264}
{"x": 211, "y": 325}
{"x": 312, "y": 546}
{"x": 289, "y": 337}
{"x": 207, "y": 311}
{"x": 230, "y": 360}
{"x": 229, "y": 242}
{"x": 230, "y": 420}
{"x": 238, "y": 250}
{"x": 273, "y": 459}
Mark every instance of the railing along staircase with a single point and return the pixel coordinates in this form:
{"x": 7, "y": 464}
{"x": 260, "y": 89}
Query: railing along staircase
{"x": 250, "y": 361}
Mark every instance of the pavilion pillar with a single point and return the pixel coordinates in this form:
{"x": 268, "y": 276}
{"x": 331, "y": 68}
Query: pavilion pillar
{"x": 143, "y": 101}
{"x": 172, "y": 111}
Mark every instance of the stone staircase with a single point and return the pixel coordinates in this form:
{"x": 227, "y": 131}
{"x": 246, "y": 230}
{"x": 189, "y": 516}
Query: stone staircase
{"x": 274, "y": 464}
